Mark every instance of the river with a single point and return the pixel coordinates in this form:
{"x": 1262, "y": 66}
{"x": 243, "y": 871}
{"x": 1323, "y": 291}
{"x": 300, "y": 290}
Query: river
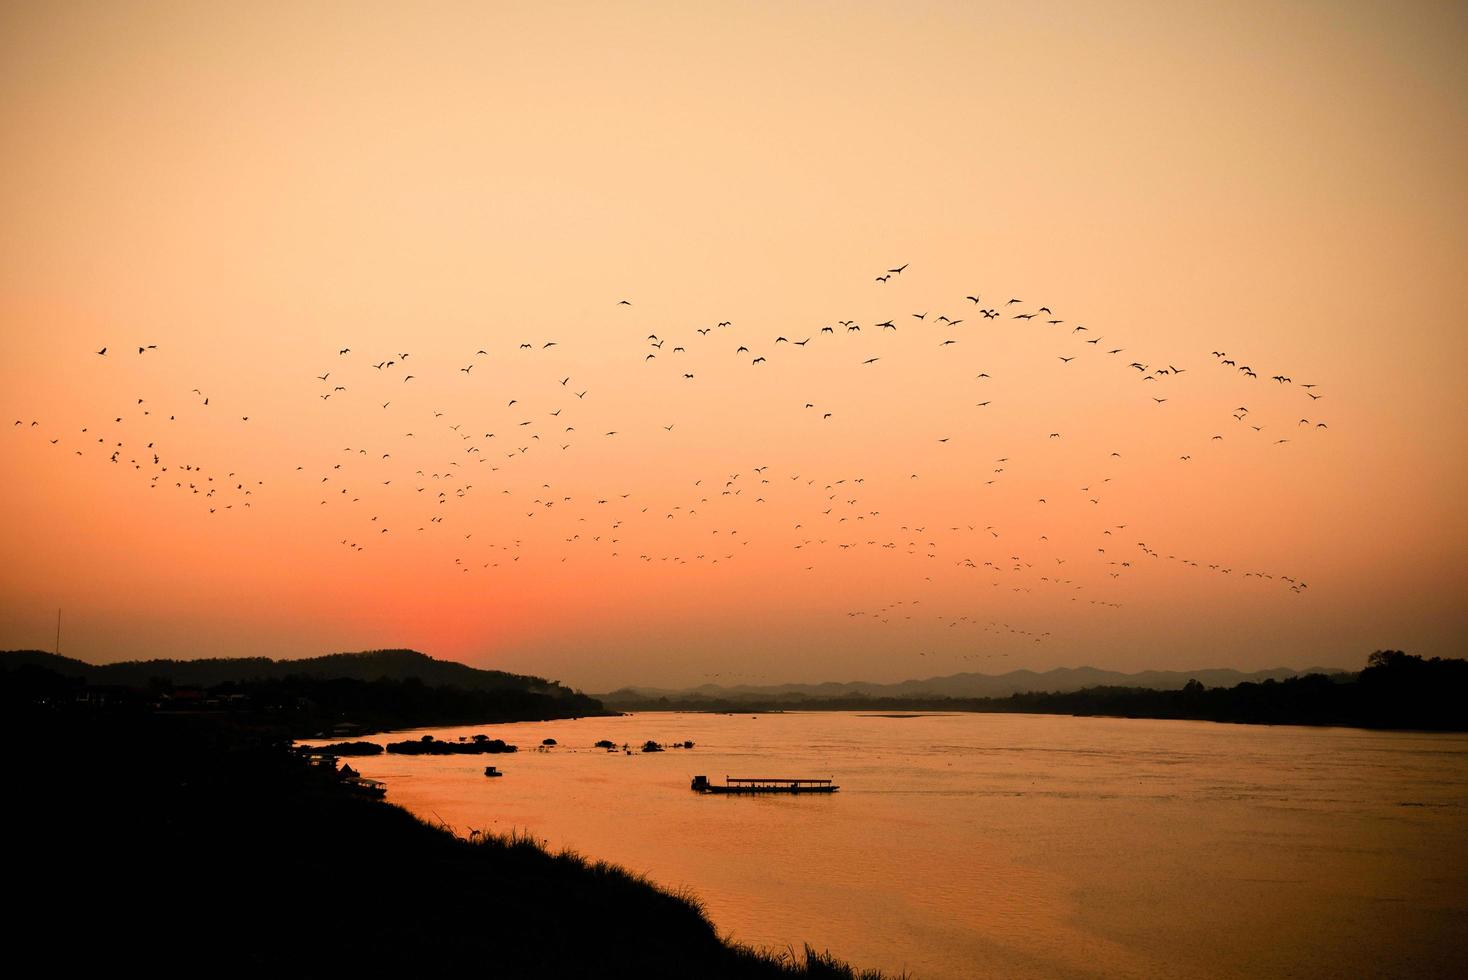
{"x": 999, "y": 845}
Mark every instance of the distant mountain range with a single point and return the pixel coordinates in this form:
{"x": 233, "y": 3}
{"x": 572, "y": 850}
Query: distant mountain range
{"x": 397, "y": 665}
{"x": 402, "y": 665}
{"x": 966, "y": 685}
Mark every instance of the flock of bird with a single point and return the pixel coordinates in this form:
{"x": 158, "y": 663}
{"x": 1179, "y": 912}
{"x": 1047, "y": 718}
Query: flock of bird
{"x": 432, "y": 477}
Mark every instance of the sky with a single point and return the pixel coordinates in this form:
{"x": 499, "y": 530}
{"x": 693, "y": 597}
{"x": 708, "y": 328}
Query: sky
{"x": 333, "y": 229}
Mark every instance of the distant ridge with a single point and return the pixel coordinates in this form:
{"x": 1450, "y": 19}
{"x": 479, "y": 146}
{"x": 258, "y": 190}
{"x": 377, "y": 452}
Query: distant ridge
{"x": 964, "y": 685}
{"x": 369, "y": 665}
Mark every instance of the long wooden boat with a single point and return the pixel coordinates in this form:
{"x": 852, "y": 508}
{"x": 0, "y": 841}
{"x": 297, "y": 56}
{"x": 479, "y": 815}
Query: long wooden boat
{"x": 367, "y": 787}
{"x": 751, "y": 784}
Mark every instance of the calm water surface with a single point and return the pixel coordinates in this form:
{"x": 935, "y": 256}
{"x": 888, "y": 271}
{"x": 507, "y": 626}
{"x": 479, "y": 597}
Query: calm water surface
{"x": 974, "y": 845}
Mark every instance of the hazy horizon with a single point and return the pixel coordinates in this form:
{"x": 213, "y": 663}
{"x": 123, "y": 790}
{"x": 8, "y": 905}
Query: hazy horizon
{"x": 716, "y": 683}
{"x": 247, "y": 192}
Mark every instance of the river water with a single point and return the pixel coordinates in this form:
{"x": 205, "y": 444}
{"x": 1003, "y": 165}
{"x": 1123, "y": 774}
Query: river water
{"x": 996, "y": 845}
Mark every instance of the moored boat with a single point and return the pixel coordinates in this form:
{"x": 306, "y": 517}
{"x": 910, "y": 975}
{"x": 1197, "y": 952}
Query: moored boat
{"x": 750, "y": 784}
{"x": 367, "y": 787}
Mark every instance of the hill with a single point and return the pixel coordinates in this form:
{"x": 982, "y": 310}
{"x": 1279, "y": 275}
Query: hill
{"x": 370, "y": 665}
{"x": 348, "y": 692}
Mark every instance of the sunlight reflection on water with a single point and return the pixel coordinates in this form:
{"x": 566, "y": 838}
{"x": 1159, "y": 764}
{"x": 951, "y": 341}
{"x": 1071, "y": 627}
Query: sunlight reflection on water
{"x": 1010, "y": 845}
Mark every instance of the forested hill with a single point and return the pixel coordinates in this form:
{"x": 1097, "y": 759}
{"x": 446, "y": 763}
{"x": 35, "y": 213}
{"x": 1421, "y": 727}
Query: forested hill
{"x": 370, "y": 665}
{"x": 375, "y": 691}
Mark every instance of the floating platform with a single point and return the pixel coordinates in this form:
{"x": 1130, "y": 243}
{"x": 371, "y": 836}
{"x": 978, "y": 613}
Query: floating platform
{"x": 749, "y": 784}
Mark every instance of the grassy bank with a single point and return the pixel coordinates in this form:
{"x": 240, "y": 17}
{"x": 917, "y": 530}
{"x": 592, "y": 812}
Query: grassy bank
{"x": 182, "y": 844}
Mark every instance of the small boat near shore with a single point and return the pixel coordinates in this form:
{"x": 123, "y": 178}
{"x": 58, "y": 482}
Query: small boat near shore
{"x": 492, "y": 771}
{"x": 748, "y": 784}
{"x": 374, "y": 788}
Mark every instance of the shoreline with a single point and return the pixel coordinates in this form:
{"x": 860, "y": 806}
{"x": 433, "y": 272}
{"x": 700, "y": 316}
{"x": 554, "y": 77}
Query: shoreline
{"x": 1395, "y": 691}
{"x": 953, "y": 712}
{"x": 214, "y": 838}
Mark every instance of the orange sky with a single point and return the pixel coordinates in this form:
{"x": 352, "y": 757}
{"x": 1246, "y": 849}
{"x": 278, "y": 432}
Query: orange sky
{"x": 252, "y": 188}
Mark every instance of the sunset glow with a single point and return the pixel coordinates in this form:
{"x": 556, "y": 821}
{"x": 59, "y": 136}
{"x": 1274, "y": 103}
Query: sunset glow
{"x": 272, "y": 216}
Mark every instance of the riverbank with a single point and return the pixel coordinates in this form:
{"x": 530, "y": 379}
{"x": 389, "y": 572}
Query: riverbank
{"x": 178, "y": 843}
{"x": 1394, "y": 691}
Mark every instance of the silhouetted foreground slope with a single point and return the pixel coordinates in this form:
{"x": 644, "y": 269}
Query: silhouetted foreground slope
{"x": 176, "y": 844}
{"x": 371, "y": 691}
{"x": 1395, "y": 690}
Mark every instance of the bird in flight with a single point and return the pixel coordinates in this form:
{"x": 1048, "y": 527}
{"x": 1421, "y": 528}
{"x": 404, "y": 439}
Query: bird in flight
{"x": 898, "y": 271}
{"x": 871, "y": 360}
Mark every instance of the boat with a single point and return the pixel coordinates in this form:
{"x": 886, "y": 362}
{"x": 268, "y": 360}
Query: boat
{"x": 749, "y": 784}
{"x": 492, "y": 771}
{"x": 367, "y": 787}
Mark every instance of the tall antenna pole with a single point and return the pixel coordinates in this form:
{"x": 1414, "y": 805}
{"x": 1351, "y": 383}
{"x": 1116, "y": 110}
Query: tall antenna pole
{"x": 58, "y": 631}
